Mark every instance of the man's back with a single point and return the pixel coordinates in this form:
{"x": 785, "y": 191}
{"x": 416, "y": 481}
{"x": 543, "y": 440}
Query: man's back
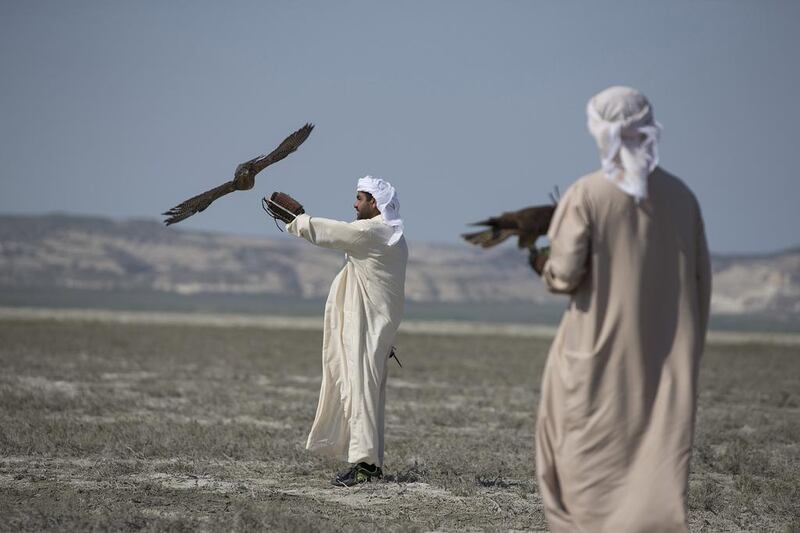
{"x": 645, "y": 257}
{"x": 620, "y": 387}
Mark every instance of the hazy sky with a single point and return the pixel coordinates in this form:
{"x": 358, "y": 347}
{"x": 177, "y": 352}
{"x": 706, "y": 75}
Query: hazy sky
{"x": 470, "y": 108}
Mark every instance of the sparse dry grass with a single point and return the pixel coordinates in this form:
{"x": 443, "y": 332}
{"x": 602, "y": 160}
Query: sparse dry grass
{"x": 113, "y": 426}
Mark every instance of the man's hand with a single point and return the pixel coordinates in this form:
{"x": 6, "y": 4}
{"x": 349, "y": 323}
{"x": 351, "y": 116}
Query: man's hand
{"x": 281, "y": 206}
{"x": 538, "y": 258}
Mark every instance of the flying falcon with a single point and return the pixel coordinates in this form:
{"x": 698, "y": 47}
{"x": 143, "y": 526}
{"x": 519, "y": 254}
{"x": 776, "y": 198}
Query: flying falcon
{"x": 244, "y": 178}
{"x": 527, "y": 224}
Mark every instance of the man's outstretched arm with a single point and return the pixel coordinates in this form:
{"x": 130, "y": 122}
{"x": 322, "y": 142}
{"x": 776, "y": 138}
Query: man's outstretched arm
{"x": 327, "y": 233}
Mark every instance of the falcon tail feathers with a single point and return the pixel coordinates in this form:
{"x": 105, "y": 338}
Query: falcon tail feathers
{"x": 487, "y": 222}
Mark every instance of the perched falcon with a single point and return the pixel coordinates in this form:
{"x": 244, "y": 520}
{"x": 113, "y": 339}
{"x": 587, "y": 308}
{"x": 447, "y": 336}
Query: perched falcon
{"x": 244, "y": 178}
{"x": 527, "y": 224}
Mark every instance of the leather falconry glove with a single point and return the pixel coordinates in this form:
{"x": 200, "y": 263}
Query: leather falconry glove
{"x": 281, "y": 206}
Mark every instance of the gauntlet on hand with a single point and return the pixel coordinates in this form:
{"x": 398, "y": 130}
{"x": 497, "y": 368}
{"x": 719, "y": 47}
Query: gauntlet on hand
{"x": 281, "y": 206}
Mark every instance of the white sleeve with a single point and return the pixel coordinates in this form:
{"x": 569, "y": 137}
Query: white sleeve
{"x": 335, "y": 234}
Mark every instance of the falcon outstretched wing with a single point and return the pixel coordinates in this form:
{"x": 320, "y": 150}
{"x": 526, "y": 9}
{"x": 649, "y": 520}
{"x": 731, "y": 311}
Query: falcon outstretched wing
{"x": 488, "y": 238}
{"x": 289, "y": 145}
{"x": 197, "y": 203}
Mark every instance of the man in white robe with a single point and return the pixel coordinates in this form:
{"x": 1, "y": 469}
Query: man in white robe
{"x": 362, "y": 314}
{"x": 619, "y": 391}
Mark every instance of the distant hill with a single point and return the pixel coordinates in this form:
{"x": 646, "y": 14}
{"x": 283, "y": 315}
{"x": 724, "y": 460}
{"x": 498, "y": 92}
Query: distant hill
{"x": 89, "y": 254}
{"x": 62, "y": 251}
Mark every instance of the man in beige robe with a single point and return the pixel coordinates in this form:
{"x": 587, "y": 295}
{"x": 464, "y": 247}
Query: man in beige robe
{"x": 362, "y": 314}
{"x": 619, "y": 392}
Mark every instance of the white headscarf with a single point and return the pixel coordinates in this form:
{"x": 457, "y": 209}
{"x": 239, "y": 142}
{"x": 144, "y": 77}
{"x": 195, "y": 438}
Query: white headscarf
{"x": 388, "y": 204}
{"x": 621, "y": 121}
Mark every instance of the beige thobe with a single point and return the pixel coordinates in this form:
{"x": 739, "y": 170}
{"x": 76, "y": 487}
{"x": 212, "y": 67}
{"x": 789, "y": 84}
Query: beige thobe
{"x": 619, "y": 392}
{"x": 362, "y": 313}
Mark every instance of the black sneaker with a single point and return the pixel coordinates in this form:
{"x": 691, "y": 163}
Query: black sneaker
{"x": 360, "y": 473}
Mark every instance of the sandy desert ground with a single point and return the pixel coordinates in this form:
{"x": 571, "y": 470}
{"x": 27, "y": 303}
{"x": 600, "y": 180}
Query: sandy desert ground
{"x": 111, "y": 423}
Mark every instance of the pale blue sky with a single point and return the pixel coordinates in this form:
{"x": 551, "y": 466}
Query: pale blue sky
{"x": 470, "y": 108}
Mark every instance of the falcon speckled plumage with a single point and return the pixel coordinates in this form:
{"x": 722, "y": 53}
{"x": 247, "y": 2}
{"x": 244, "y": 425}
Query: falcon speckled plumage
{"x": 244, "y": 177}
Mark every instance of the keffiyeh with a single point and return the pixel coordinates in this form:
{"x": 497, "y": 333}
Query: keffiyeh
{"x": 388, "y": 203}
{"x": 621, "y": 121}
